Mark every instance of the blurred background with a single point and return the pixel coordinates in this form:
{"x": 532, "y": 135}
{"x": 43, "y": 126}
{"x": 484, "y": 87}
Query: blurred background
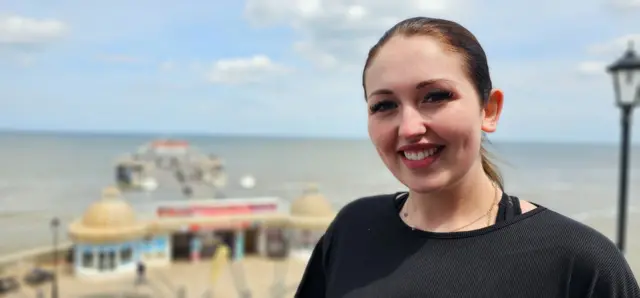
{"x": 272, "y": 88}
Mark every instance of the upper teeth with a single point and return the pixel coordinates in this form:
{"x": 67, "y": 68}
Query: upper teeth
{"x": 418, "y": 155}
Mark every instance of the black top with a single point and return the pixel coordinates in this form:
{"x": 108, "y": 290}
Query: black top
{"x": 368, "y": 252}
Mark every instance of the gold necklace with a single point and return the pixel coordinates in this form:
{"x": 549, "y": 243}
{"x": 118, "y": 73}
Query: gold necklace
{"x": 487, "y": 214}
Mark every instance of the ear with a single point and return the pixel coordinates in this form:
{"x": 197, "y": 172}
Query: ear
{"x": 492, "y": 110}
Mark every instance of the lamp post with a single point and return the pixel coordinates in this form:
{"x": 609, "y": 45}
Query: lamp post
{"x": 626, "y": 83}
{"x": 55, "y": 223}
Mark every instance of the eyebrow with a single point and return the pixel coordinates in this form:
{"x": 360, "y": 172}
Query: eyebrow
{"x": 418, "y": 87}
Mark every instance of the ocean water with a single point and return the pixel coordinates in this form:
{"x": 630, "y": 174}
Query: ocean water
{"x": 46, "y": 175}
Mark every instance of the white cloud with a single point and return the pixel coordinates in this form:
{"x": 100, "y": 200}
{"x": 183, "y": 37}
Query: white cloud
{"x": 19, "y": 30}
{"x": 338, "y": 33}
{"x": 100, "y": 21}
{"x": 604, "y": 53}
{"x": 615, "y": 46}
{"x": 245, "y": 70}
{"x": 592, "y": 67}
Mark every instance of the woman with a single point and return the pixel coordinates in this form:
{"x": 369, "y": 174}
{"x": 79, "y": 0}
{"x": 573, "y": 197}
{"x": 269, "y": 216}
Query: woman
{"x": 455, "y": 233}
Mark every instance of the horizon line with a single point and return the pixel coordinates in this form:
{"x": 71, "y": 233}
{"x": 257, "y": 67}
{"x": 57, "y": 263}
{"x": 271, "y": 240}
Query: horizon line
{"x": 152, "y": 134}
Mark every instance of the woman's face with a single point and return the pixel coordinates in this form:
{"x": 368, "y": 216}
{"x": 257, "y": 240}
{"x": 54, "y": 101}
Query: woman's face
{"x": 425, "y": 116}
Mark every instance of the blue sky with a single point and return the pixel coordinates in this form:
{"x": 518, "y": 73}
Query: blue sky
{"x": 292, "y": 67}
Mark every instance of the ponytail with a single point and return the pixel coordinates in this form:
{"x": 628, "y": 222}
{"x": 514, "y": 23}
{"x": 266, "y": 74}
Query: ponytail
{"x": 490, "y": 168}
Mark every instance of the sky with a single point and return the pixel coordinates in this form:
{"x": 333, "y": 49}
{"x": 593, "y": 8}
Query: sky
{"x": 293, "y": 67}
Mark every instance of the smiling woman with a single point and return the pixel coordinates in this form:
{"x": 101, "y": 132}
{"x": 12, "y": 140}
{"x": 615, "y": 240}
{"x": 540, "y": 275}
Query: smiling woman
{"x": 456, "y": 232}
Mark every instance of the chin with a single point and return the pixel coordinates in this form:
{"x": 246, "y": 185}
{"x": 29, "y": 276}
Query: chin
{"x": 423, "y": 183}
{"x": 422, "y": 186}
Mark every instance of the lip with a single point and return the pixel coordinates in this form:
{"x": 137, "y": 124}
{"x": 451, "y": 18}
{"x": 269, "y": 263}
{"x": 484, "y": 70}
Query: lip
{"x": 418, "y": 147}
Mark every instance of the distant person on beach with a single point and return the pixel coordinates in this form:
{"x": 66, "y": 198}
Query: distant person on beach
{"x": 456, "y": 232}
{"x": 141, "y": 270}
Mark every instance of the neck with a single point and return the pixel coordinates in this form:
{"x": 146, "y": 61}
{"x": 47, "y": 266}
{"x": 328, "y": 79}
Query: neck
{"x": 453, "y": 207}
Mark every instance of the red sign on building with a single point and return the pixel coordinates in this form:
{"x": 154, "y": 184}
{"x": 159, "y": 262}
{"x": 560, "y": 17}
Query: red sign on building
{"x": 217, "y": 210}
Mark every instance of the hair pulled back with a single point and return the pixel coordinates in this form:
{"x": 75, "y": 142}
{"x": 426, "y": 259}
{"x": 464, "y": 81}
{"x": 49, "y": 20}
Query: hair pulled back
{"x": 457, "y": 39}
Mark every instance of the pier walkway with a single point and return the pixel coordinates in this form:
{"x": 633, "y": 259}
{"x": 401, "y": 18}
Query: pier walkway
{"x": 193, "y": 279}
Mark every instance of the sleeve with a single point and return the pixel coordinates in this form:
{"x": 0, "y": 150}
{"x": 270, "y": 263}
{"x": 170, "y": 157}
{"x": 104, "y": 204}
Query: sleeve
{"x": 615, "y": 281}
{"x": 313, "y": 281}
{"x": 604, "y": 273}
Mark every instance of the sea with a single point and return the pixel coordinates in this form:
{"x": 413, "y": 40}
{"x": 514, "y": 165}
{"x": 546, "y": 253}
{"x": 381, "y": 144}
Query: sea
{"x": 46, "y": 175}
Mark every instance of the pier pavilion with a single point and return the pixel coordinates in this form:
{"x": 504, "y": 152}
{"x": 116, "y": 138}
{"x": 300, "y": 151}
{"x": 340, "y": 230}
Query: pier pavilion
{"x": 109, "y": 239}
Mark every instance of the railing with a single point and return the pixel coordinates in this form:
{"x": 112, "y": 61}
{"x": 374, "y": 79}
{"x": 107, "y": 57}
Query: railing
{"x": 159, "y": 284}
{"x": 35, "y": 255}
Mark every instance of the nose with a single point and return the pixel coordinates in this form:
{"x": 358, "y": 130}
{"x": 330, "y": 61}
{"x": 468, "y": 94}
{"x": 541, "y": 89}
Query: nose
{"x": 412, "y": 124}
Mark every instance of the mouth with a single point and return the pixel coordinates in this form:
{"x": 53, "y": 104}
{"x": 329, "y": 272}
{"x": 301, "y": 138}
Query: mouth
{"x": 420, "y": 156}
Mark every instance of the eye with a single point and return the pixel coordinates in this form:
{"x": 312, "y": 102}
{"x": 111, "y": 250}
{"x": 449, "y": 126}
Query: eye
{"x": 382, "y": 106}
{"x": 438, "y": 96}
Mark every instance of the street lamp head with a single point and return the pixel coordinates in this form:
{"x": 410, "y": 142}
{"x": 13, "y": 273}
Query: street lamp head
{"x": 55, "y": 222}
{"x": 626, "y": 78}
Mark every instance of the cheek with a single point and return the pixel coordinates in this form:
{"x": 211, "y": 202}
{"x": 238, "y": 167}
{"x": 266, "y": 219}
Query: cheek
{"x": 459, "y": 127}
{"x": 383, "y": 136}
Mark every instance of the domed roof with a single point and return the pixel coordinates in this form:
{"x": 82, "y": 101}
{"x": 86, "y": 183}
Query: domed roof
{"x": 109, "y": 219}
{"x": 111, "y": 211}
{"x": 311, "y": 204}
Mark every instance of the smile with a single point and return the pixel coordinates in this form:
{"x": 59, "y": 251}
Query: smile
{"x": 423, "y": 157}
{"x": 420, "y": 155}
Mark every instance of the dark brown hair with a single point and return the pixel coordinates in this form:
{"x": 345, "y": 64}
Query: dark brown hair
{"x": 458, "y": 39}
